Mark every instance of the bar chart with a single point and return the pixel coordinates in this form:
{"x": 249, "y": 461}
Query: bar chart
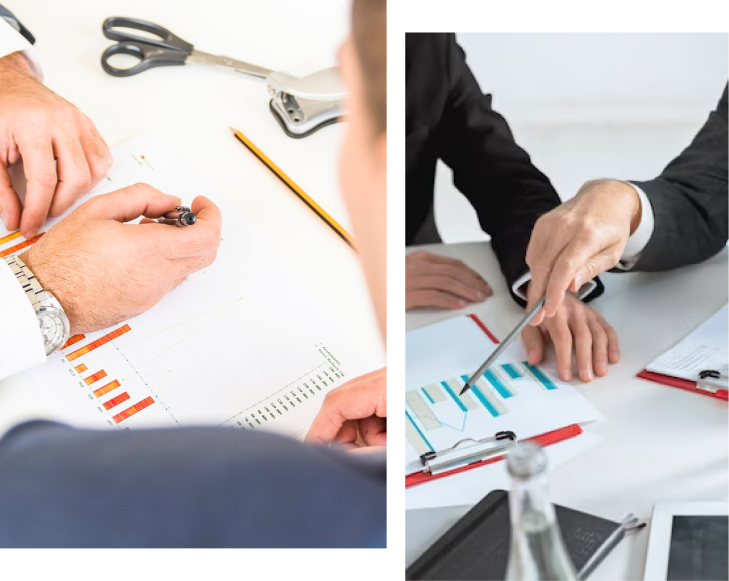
{"x": 514, "y": 396}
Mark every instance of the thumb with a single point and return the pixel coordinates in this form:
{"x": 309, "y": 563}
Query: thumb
{"x": 534, "y": 343}
{"x": 605, "y": 260}
{"x": 130, "y": 203}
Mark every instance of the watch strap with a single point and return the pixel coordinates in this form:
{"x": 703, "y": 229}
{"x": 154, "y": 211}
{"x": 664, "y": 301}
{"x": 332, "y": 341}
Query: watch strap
{"x": 33, "y": 290}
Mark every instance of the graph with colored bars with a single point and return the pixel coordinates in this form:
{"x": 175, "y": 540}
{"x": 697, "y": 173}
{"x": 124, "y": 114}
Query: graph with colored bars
{"x": 436, "y": 412}
{"x": 15, "y": 243}
{"x": 98, "y": 382}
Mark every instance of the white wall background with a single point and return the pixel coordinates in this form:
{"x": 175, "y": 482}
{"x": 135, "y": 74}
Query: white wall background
{"x": 590, "y": 105}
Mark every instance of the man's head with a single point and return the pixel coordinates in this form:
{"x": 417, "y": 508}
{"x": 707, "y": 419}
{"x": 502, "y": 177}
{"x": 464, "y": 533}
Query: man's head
{"x": 363, "y": 160}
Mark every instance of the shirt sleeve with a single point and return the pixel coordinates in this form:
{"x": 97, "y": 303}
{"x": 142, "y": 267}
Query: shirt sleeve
{"x": 519, "y": 287}
{"x": 21, "y": 343}
{"x": 12, "y": 41}
{"x": 642, "y": 235}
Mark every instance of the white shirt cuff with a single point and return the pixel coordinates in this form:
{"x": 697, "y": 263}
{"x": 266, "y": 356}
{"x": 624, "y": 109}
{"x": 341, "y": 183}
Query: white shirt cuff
{"x": 12, "y": 41}
{"x": 639, "y": 239}
{"x": 519, "y": 287}
{"x": 21, "y": 343}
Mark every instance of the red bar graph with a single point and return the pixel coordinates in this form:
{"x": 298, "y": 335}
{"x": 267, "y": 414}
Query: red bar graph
{"x": 116, "y": 401}
{"x": 14, "y": 249}
{"x": 98, "y": 343}
{"x": 95, "y": 377}
{"x": 121, "y": 416}
{"x": 72, "y": 340}
{"x": 81, "y": 368}
{"x": 107, "y": 388}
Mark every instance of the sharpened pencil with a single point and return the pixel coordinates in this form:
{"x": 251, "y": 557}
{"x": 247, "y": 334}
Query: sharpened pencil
{"x": 318, "y": 210}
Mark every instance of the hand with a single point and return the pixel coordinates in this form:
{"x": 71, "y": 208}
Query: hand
{"x": 575, "y": 325}
{"x": 63, "y": 154}
{"x": 360, "y": 405}
{"x": 437, "y": 281}
{"x": 578, "y": 240}
{"x": 103, "y": 271}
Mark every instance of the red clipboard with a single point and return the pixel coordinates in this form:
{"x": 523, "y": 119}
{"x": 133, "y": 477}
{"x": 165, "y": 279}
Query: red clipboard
{"x": 682, "y": 384}
{"x": 543, "y": 440}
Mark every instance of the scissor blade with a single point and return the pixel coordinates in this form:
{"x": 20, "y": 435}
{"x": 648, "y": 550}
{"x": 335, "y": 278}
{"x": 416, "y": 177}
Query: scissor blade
{"x": 239, "y": 66}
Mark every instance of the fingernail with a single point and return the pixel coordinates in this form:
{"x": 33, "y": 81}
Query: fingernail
{"x": 566, "y": 376}
{"x": 31, "y": 233}
{"x": 461, "y": 304}
{"x": 4, "y": 217}
{"x": 586, "y": 375}
{"x": 578, "y": 282}
{"x": 600, "y": 368}
{"x": 480, "y": 296}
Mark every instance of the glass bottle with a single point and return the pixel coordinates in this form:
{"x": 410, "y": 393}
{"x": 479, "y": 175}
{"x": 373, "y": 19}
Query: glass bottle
{"x": 537, "y": 548}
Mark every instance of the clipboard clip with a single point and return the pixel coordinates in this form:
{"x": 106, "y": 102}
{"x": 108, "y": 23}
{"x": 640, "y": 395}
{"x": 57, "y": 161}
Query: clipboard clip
{"x": 713, "y": 380}
{"x": 463, "y": 452}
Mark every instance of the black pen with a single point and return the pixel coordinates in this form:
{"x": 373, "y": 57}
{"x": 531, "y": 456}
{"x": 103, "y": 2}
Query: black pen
{"x": 180, "y": 216}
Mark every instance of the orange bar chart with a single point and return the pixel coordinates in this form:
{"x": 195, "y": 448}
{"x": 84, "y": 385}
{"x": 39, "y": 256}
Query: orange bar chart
{"x": 95, "y": 377}
{"x": 9, "y": 237}
{"x": 107, "y": 388}
{"x": 98, "y": 343}
{"x": 116, "y": 401}
{"x": 72, "y": 340}
{"x": 14, "y": 249}
{"x": 81, "y": 368}
{"x": 121, "y": 416}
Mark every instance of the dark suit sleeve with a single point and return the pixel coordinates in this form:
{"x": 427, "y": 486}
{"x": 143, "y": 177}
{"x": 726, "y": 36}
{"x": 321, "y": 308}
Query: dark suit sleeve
{"x": 10, "y": 18}
{"x": 689, "y": 200}
{"x": 185, "y": 487}
{"x": 496, "y": 175}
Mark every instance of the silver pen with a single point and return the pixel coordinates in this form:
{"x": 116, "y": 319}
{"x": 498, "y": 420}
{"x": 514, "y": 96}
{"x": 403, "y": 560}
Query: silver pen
{"x": 503, "y": 345}
{"x": 629, "y": 523}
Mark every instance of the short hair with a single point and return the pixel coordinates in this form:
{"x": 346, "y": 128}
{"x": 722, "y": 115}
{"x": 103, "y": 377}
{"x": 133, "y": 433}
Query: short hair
{"x": 369, "y": 29}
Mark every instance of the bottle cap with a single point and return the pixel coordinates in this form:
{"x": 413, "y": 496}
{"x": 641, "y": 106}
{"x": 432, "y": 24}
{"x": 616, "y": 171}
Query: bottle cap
{"x": 526, "y": 460}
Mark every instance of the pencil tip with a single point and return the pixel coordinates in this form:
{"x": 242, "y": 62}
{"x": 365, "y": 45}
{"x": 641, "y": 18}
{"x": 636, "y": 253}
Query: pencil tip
{"x": 233, "y": 131}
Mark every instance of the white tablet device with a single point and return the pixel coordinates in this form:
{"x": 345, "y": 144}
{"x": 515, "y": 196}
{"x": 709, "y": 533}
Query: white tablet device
{"x": 688, "y": 541}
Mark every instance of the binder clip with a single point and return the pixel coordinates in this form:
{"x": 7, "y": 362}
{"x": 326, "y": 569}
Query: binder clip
{"x": 713, "y": 380}
{"x": 462, "y": 453}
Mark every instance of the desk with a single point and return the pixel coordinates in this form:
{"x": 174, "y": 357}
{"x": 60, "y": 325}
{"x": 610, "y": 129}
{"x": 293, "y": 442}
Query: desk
{"x": 657, "y": 443}
{"x": 194, "y": 105}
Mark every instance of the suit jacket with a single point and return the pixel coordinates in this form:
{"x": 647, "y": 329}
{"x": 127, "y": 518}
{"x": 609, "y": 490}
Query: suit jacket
{"x": 689, "y": 200}
{"x": 448, "y": 118}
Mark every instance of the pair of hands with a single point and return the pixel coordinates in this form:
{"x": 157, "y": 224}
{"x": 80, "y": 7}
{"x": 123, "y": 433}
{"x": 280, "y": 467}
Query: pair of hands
{"x": 444, "y": 282}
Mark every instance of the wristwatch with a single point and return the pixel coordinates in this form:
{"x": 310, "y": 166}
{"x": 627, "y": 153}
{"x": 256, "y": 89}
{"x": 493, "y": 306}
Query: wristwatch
{"x": 53, "y": 323}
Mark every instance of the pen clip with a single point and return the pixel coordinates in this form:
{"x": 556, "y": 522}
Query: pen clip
{"x": 459, "y": 454}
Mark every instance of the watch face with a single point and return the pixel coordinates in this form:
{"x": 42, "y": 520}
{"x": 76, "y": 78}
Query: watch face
{"x": 52, "y": 329}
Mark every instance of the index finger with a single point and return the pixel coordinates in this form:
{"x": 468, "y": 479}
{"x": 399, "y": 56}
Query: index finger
{"x": 358, "y": 399}
{"x": 40, "y": 172}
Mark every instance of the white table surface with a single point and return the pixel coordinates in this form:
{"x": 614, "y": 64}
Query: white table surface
{"x": 656, "y": 443}
{"x": 194, "y": 105}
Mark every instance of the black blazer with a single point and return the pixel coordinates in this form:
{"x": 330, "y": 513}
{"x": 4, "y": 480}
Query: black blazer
{"x": 689, "y": 200}
{"x": 448, "y": 118}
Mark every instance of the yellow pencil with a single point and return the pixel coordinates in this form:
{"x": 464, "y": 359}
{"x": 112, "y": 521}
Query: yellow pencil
{"x": 333, "y": 224}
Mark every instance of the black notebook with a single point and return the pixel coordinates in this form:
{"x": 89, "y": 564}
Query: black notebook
{"x": 477, "y": 546}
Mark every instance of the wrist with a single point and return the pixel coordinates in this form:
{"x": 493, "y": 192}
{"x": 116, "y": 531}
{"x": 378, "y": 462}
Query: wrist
{"x": 15, "y": 64}
{"x": 47, "y": 281}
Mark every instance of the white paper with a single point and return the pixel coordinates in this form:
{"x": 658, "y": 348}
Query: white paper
{"x": 441, "y": 357}
{"x": 241, "y": 344}
{"x": 705, "y": 348}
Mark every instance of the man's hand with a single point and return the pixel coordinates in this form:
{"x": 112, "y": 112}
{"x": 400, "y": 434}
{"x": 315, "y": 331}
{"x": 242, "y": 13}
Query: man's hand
{"x": 63, "y": 154}
{"x": 578, "y": 240}
{"x": 360, "y": 405}
{"x": 575, "y": 325}
{"x": 103, "y": 271}
{"x": 437, "y": 281}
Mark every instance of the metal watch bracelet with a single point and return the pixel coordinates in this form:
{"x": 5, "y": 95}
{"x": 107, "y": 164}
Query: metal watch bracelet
{"x": 27, "y": 280}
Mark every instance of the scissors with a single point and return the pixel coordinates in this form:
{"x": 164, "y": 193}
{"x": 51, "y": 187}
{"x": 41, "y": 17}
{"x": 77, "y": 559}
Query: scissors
{"x": 300, "y": 105}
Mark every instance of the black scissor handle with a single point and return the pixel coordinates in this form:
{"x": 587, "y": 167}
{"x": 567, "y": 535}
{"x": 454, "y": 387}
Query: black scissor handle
{"x": 149, "y": 57}
{"x": 166, "y": 38}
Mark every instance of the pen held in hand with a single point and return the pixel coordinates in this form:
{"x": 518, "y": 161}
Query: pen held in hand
{"x": 180, "y": 216}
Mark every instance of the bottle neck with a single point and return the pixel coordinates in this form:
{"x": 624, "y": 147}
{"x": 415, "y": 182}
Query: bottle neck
{"x": 529, "y": 502}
